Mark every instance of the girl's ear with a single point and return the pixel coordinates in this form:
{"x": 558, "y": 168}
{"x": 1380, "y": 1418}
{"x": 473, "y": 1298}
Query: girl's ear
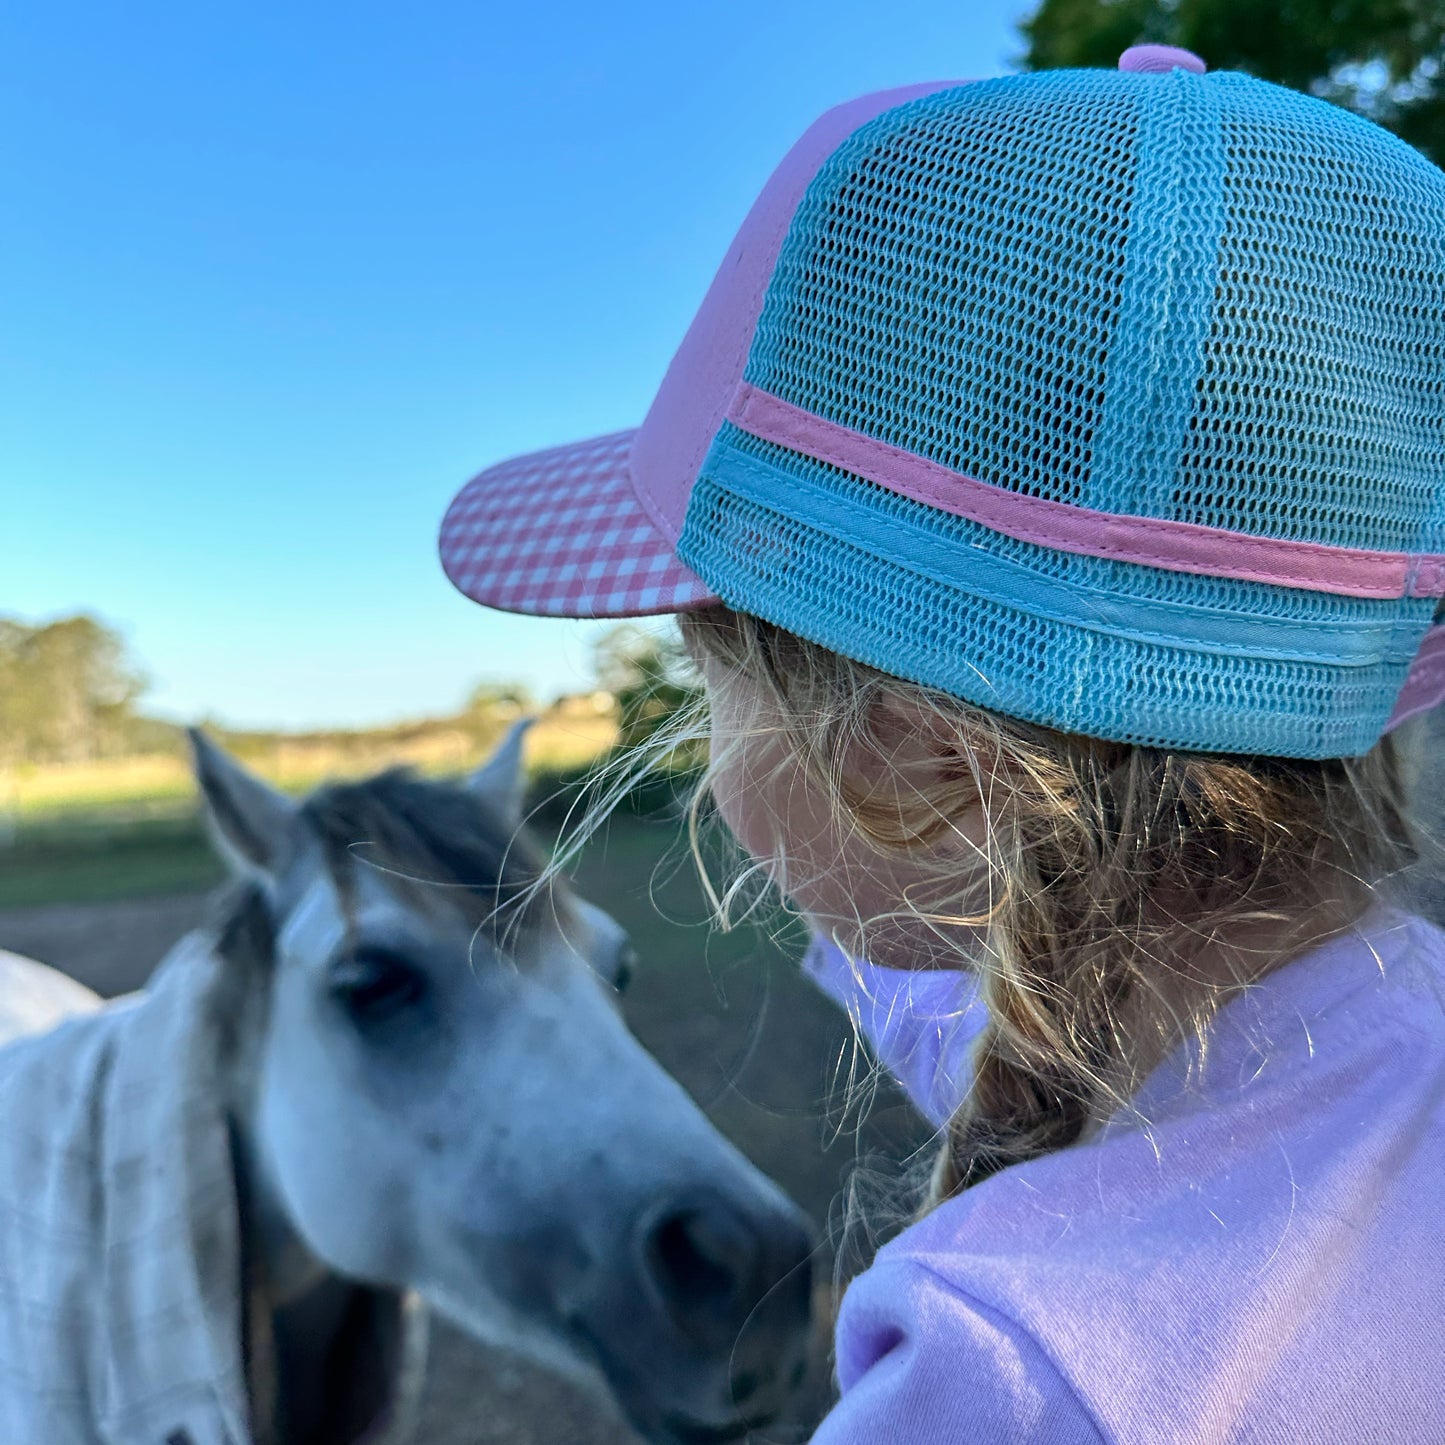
{"x": 249, "y": 821}
{"x": 500, "y": 781}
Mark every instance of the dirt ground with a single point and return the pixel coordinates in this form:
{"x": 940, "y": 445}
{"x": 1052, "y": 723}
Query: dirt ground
{"x": 752, "y": 1040}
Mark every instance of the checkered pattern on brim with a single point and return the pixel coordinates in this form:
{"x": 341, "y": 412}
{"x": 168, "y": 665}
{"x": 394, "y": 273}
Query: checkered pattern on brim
{"x": 561, "y": 534}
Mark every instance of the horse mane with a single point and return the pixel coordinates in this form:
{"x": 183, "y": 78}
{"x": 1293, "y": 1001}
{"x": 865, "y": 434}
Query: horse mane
{"x": 430, "y": 835}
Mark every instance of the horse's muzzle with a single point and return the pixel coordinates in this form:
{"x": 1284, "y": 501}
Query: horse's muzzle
{"x": 705, "y": 1334}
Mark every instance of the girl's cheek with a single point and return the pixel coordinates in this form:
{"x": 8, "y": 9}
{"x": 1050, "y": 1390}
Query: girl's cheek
{"x": 762, "y": 792}
{"x": 723, "y": 783}
{"x": 736, "y": 742}
{"x": 740, "y": 801}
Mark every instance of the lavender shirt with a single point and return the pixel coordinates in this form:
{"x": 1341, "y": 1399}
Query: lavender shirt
{"x": 1263, "y": 1260}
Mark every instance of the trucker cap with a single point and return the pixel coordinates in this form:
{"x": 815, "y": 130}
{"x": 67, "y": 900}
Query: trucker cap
{"x": 1113, "y": 400}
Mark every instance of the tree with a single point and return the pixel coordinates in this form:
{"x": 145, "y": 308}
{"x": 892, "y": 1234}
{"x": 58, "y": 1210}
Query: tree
{"x": 13, "y": 702}
{"x": 505, "y": 700}
{"x": 1382, "y": 58}
{"x": 649, "y": 675}
{"x": 67, "y": 690}
{"x": 491, "y": 707}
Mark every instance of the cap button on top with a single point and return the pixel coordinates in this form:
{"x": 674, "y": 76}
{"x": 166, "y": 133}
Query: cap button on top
{"x": 1160, "y": 60}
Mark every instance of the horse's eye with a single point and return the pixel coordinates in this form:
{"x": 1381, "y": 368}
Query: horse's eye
{"x": 373, "y": 986}
{"x": 625, "y": 968}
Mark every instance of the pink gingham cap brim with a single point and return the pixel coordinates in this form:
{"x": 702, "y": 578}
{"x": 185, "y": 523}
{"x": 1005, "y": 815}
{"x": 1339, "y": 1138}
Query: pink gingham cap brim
{"x": 588, "y": 530}
{"x": 561, "y": 533}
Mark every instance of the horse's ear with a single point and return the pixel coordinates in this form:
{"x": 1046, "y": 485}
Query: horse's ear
{"x": 501, "y": 780}
{"x": 249, "y": 821}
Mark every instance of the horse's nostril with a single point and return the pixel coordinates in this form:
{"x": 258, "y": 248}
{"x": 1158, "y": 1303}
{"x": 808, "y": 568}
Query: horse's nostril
{"x": 697, "y": 1258}
{"x": 735, "y": 1281}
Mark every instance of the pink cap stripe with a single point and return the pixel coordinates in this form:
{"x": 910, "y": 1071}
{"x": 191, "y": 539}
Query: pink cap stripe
{"x": 1149, "y": 541}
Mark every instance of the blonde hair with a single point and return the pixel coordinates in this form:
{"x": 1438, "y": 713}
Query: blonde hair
{"x": 1111, "y": 866}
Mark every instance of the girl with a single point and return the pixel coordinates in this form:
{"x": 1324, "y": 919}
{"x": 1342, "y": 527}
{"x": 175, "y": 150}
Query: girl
{"x": 1052, "y": 487}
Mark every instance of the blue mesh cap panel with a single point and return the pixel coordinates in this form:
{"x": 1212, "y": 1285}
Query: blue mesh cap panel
{"x": 918, "y": 301}
{"x": 1197, "y": 298}
{"x": 1320, "y": 409}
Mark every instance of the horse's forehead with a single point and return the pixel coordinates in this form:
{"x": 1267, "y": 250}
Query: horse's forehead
{"x": 322, "y": 913}
{"x": 314, "y": 917}
{"x": 374, "y": 903}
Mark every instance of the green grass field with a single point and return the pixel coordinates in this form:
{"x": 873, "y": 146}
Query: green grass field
{"x": 93, "y": 859}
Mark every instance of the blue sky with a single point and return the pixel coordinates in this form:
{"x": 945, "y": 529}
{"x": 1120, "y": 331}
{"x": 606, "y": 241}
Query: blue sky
{"x": 279, "y": 278}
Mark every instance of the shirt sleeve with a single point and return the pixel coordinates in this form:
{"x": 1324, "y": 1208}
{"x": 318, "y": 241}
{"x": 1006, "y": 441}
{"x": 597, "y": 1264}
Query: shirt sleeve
{"x": 919, "y": 1363}
{"x": 921, "y": 1023}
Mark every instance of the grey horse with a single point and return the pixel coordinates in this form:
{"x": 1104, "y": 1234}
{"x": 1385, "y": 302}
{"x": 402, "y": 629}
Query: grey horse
{"x": 392, "y": 1070}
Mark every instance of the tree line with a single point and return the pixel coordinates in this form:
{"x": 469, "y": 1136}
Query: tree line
{"x": 71, "y": 692}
